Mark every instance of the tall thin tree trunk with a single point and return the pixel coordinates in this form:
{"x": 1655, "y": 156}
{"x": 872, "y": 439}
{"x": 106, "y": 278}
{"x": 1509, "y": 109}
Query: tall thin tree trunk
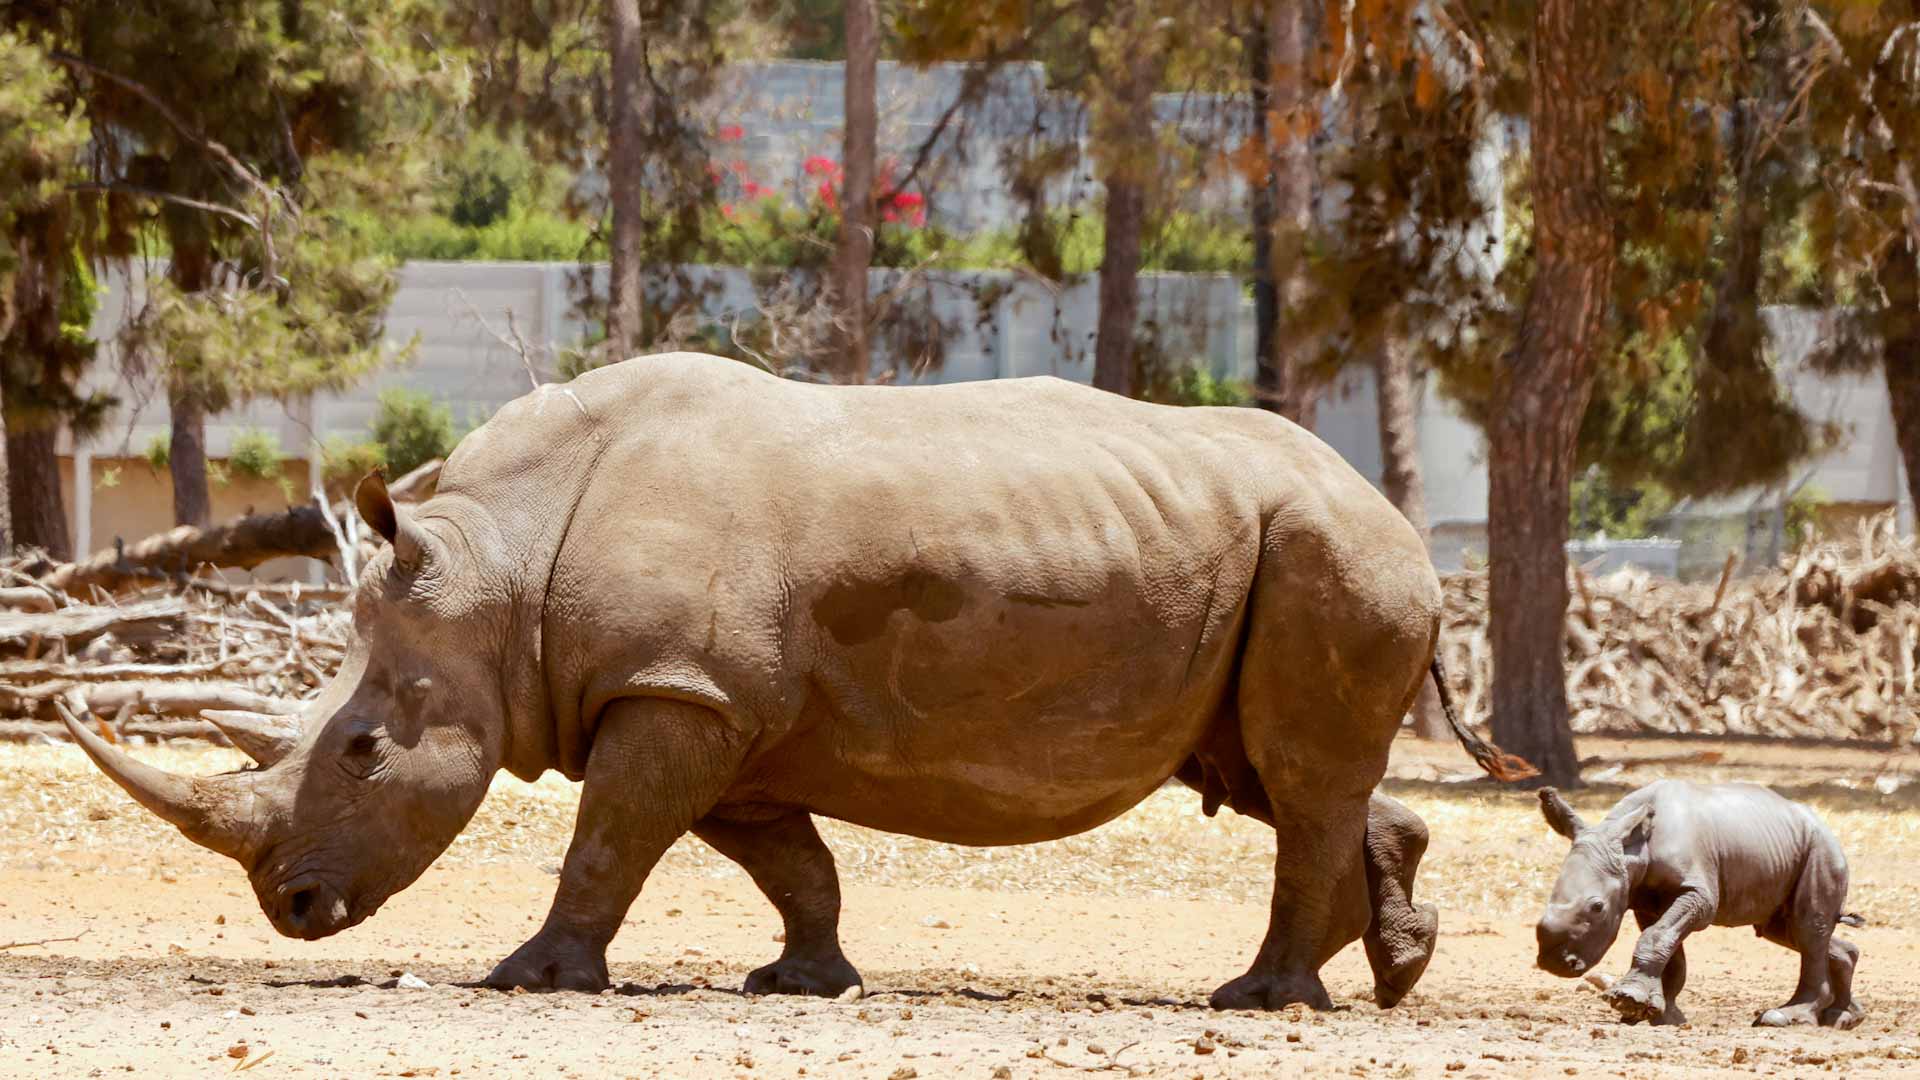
{"x": 38, "y": 508}
{"x": 192, "y": 271}
{"x": 1124, "y": 129}
{"x": 854, "y": 252}
{"x": 1902, "y": 370}
{"x": 35, "y": 504}
{"x": 1260, "y": 197}
{"x": 1542, "y": 384}
{"x": 626, "y": 172}
{"x": 1280, "y": 384}
{"x": 1405, "y": 487}
{"x": 6, "y": 489}
{"x": 1119, "y": 286}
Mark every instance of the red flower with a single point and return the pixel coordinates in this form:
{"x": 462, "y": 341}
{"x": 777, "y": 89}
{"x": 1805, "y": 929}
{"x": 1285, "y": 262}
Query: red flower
{"x": 907, "y": 200}
{"x": 732, "y": 133}
{"x": 829, "y": 196}
{"x": 818, "y": 165}
{"x": 751, "y": 189}
{"x": 890, "y": 214}
{"x": 919, "y": 215}
{"x": 727, "y": 209}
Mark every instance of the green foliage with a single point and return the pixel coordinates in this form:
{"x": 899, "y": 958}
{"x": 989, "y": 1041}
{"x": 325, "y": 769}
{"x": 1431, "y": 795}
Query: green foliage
{"x": 159, "y": 451}
{"x": 1603, "y": 507}
{"x": 254, "y": 454}
{"x": 411, "y": 429}
{"x": 343, "y": 461}
{"x": 42, "y": 134}
{"x": 1197, "y": 386}
{"x": 521, "y": 235}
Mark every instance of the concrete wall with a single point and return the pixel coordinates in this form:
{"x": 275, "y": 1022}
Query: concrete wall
{"x": 456, "y": 314}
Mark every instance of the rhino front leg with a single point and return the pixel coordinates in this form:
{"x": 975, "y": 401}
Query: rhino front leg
{"x": 1640, "y": 994}
{"x": 656, "y": 767}
{"x": 786, "y": 857}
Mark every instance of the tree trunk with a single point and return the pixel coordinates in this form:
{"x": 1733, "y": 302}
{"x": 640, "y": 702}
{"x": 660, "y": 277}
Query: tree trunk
{"x": 1542, "y": 384}
{"x": 35, "y": 504}
{"x": 1902, "y": 370}
{"x": 1119, "y": 286}
{"x": 1260, "y": 197}
{"x": 38, "y": 508}
{"x": 626, "y": 171}
{"x": 854, "y": 253}
{"x": 191, "y": 271}
{"x": 6, "y": 489}
{"x": 1290, "y": 117}
{"x": 1401, "y": 478}
{"x": 187, "y": 456}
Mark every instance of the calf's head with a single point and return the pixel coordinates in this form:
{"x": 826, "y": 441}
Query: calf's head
{"x": 1590, "y": 898}
{"x": 360, "y": 795}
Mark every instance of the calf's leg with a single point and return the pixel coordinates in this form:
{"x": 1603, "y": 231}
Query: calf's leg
{"x": 1806, "y": 925}
{"x": 656, "y": 767}
{"x": 1400, "y": 938}
{"x": 1641, "y": 993}
{"x": 786, "y": 857}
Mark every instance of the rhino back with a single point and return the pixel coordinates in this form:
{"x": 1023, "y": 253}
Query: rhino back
{"x": 911, "y": 585}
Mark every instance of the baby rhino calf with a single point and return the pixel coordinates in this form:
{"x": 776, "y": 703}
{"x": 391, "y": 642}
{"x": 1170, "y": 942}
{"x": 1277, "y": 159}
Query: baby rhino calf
{"x": 1683, "y": 857}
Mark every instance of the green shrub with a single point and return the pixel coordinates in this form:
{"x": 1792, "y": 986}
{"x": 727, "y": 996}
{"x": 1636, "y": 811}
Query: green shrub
{"x": 255, "y": 454}
{"x": 159, "y": 451}
{"x": 343, "y": 462}
{"x": 411, "y": 429}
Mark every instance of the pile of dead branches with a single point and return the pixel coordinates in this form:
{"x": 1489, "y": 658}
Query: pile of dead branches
{"x": 156, "y": 660}
{"x": 1823, "y": 646}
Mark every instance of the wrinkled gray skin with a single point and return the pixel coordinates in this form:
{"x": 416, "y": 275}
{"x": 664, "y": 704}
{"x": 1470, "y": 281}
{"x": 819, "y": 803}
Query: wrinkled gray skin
{"x": 1683, "y": 857}
{"x": 989, "y": 613}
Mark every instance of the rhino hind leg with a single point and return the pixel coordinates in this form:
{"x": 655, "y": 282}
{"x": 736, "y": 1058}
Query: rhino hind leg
{"x": 1806, "y": 926}
{"x": 787, "y": 859}
{"x": 1845, "y": 1013}
{"x": 1401, "y": 936}
{"x": 656, "y": 767}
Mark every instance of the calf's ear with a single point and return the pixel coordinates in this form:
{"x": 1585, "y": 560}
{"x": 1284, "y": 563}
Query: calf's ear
{"x": 1559, "y": 815}
{"x": 1633, "y": 830}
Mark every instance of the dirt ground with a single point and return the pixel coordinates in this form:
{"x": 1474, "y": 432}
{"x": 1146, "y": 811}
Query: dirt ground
{"x": 1094, "y": 954}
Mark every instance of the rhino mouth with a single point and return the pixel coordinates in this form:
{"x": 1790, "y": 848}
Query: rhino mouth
{"x": 308, "y": 909}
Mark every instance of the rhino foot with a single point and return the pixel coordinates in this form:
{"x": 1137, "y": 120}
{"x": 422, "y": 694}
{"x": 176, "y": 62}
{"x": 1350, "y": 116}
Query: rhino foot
{"x": 552, "y": 962}
{"x": 1789, "y": 1016}
{"x": 1399, "y": 958}
{"x": 827, "y": 977}
{"x": 1843, "y": 1017}
{"x": 1270, "y": 992}
{"x": 1637, "y": 997}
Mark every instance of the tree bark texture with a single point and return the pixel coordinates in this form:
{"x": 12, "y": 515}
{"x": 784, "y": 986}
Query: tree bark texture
{"x": 191, "y": 270}
{"x": 6, "y": 488}
{"x": 1900, "y": 362}
{"x": 1542, "y": 384}
{"x": 854, "y": 253}
{"x": 35, "y": 504}
{"x": 627, "y": 108}
{"x": 1260, "y": 198}
{"x": 1400, "y": 477}
{"x": 1119, "y": 286}
{"x": 1291, "y": 115}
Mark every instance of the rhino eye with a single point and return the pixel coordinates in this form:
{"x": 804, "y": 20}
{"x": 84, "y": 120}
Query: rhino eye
{"x": 1596, "y": 906}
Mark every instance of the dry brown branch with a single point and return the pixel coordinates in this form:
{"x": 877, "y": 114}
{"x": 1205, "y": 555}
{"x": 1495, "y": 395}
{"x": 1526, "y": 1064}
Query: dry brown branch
{"x": 41, "y": 941}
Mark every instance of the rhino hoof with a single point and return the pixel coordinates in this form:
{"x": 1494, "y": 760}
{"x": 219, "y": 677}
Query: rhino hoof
{"x": 1271, "y": 992}
{"x": 545, "y": 964}
{"x": 1787, "y": 1016}
{"x": 1845, "y": 1018}
{"x": 1636, "y": 998}
{"x": 804, "y": 978}
{"x": 1399, "y": 959}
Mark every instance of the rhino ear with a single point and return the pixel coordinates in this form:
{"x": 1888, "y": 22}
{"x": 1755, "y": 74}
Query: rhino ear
{"x": 1559, "y": 815}
{"x": 410, "y": 544}
{"x": 1633, "y": 829}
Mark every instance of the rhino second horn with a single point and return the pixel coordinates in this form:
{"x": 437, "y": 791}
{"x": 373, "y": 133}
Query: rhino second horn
{"x": 212, "y": 811}
{"x": 264, "y": 737}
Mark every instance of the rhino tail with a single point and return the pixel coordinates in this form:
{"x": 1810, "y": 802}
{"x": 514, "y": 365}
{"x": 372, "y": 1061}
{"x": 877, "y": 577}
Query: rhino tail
{"x": 1497, "y": 762}
{"x": 1852, "y": 919}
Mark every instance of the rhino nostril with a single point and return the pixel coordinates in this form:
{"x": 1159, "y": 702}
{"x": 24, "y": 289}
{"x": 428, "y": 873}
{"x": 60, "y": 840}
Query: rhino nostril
{"x": 300, "y": 905}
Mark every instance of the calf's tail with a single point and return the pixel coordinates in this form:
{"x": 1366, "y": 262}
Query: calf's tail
{"x": 1497, "y": 762}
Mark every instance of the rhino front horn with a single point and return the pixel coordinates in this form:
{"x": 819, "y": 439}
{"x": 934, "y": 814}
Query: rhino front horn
{"x": 264, "y": 737}
{"x": 211, "y": 811}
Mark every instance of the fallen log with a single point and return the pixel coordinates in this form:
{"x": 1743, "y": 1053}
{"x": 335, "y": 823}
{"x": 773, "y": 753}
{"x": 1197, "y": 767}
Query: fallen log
{"x": 26, "y": 598}
{"x": 155, "y": 698}
{"x": 241, "y": 544}
{"x": 79, "y": 625}
{"x": 18, "y": 672}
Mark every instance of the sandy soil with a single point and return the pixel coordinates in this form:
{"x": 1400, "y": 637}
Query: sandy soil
{"x": 1093, "y": 954}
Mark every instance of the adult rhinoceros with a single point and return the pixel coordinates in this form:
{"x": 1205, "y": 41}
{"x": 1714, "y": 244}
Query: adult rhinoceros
{"x": 994, "y": 613}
